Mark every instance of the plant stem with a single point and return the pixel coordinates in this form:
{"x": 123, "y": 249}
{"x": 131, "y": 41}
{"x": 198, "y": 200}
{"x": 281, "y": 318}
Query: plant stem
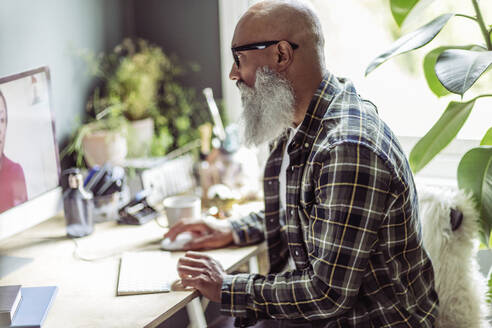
{"x": 482, "y": 96}
{"x": 481, "y": 23}
{"x": 467, "y": 16}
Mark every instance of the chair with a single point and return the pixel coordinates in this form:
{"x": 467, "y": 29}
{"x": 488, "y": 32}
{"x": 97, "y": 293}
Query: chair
{"x": 450, "y": 226}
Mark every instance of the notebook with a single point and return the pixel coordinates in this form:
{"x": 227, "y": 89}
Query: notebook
{"x": 34, "y": 306}
{"x": 145, "y": 273}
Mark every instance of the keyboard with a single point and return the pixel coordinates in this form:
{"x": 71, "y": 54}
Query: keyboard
{"x": 145, "y": 273}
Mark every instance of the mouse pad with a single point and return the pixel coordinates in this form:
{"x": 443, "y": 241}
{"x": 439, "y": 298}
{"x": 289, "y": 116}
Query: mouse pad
{"x": 9, "y": 264}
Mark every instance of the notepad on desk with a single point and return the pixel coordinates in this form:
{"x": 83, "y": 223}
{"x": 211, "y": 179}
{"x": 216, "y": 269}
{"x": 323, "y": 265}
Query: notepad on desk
{"x": 145, "y": 273}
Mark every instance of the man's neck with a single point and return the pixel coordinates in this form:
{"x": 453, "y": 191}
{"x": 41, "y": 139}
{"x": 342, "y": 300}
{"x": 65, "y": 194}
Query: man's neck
{"x": 304, "y": 94}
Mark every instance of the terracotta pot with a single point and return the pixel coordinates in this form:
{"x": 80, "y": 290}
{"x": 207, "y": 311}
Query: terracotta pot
{"x": 140, "y": 137}
{"x": 102, "y": 147}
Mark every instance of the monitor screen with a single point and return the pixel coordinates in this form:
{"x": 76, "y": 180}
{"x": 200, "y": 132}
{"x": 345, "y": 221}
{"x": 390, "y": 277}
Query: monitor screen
{"x": 29, "y": 163}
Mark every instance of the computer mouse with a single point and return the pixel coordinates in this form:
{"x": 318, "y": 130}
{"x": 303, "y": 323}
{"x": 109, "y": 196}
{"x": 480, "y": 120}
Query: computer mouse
{"x": 178, "y": 243}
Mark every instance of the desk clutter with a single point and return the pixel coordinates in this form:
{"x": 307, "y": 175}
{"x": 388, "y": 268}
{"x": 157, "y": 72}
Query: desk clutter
{"x": 136, "y": 194}
{"x": 25, "y": 306}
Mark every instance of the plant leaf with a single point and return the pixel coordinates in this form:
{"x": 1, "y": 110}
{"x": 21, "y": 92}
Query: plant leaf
{"x": 440, "y": 135}
{"x": 430, "y": 62}
{"x": 411, "y": 41}
{"x": 401, "y": 8}
{"x": 459, "y": 69}
{"x": 475, "y": 176}
{"x": 489, "y": 292}
{"x": 487, "y": 138}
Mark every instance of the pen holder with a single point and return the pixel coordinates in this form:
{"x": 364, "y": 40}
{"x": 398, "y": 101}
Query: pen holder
{"x": 106, "y": 207}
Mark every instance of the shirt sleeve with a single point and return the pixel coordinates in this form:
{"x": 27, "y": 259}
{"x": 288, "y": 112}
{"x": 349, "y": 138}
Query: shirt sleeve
{"x": 351, "y": 193}
{"x": 249, "y": 229}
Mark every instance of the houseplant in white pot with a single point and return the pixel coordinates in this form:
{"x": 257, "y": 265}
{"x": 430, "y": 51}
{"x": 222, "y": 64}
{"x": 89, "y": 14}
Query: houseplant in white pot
{"x": 131, "y": 77}
{"x": 141, "y": 98}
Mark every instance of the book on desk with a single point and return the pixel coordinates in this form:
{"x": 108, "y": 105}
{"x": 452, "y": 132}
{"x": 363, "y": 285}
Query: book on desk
{"x": 10, "y": 297}
{"x": 25, "y": 307}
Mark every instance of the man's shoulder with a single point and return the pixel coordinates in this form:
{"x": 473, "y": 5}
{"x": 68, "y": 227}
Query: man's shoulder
{"x": 351, "y": 120}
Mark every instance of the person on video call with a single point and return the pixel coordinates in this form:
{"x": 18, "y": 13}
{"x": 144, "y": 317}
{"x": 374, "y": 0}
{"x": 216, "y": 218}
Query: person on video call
{"x": 13, "y": 189}
{"x": 341, "y": 218}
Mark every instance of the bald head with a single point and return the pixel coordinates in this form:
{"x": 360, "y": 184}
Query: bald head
{"x": 290, "y": 20}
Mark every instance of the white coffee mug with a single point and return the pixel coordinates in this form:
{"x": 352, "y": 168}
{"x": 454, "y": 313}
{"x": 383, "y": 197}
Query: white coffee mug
{"x": 181, "y": 207}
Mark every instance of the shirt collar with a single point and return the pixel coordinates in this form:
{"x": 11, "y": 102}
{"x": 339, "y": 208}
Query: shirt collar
{"x": 317, "y": 110}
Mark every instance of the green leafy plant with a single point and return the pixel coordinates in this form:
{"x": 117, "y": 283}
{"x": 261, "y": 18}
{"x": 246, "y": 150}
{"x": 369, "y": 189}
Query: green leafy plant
{"x": 130, "y": 78}
{"x": 451, "y": 69}
{"x": 137, "y": 80}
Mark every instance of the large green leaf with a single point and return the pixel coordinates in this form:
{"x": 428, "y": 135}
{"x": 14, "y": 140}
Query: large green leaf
{"x": 430, "y": 62}
{"x": 487, "y": 138}
{"x": 441, "y": 134}
{"x": 475, "y": 175}
{"x": 401, "y": 8}
{"x": 459, "y": 69}
{"x": 414, "y": 40}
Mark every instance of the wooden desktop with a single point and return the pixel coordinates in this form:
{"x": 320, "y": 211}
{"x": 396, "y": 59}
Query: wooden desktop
{"x": 86, "y": 273}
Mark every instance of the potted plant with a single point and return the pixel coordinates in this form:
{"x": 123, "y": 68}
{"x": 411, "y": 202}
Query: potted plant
{"x": 99, "y": 142}
{"x": 140, "y": 98}
{"x": 131, "y": 76}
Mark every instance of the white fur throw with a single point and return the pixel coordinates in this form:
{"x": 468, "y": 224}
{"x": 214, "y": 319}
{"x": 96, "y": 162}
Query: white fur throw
{"x": 459, "y": 284}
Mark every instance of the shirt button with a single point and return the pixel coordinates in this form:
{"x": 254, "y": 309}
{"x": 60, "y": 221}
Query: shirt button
{"x": 291, "y": 212}
{"x": 271, "y": 220}
{"x": 296, "y": 252}
{"x": 306, "y": 145}
{"x": 269, "y": 182}
{"x": 292, "y": 168}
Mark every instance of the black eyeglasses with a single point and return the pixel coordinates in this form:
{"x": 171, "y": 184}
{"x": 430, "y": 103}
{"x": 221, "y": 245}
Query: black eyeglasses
{"x": 257, "y": 46}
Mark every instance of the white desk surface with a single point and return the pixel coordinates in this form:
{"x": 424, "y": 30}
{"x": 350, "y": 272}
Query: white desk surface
{"x": 87, "y": 289}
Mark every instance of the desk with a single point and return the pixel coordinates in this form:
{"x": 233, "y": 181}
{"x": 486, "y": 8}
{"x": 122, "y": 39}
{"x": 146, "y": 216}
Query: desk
{"x": 87, "y": 289}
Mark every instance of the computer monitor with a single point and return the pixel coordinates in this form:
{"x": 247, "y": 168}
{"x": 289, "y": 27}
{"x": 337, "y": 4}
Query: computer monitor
{"x": 30, "y": 191}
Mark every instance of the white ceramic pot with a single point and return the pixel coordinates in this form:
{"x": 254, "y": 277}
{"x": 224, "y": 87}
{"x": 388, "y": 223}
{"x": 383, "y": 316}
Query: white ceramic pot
{"x": 102, "y": 147}
{"x": 140, "y": 137}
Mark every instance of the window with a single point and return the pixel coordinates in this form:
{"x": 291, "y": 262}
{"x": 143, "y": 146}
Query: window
{"x": 356, "y": 31}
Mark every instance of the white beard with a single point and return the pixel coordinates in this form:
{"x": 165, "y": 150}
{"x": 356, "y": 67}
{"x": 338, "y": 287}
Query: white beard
{"x": 268, "y": 107}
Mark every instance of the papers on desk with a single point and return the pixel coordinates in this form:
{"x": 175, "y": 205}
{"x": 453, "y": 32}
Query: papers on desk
{"x": 145, "y": 273}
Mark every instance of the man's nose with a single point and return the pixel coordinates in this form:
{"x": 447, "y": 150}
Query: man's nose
{"x": 234, "y": 73}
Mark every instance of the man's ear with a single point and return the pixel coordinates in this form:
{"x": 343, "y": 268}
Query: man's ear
{"x": 284, "y": 56}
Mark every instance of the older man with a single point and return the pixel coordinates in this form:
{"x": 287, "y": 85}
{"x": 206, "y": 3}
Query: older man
{"x": 341, "y": 219}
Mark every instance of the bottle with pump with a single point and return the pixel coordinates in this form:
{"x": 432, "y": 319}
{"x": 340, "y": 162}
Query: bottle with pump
{"x": 78, "y": 205}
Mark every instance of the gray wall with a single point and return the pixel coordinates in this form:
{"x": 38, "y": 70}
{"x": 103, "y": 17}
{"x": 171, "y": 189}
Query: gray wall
{"x": 35, "y": 33}
{"x": 187, "y": 28}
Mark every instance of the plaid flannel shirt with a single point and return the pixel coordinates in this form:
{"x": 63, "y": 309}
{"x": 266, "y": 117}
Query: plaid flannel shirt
{"x": 351, "y": 226}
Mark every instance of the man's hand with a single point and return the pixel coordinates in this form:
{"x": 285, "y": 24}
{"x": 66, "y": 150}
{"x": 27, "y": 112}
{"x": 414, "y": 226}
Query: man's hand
{"x": 200, "y": 271}
{"x": 210, "y": 233}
